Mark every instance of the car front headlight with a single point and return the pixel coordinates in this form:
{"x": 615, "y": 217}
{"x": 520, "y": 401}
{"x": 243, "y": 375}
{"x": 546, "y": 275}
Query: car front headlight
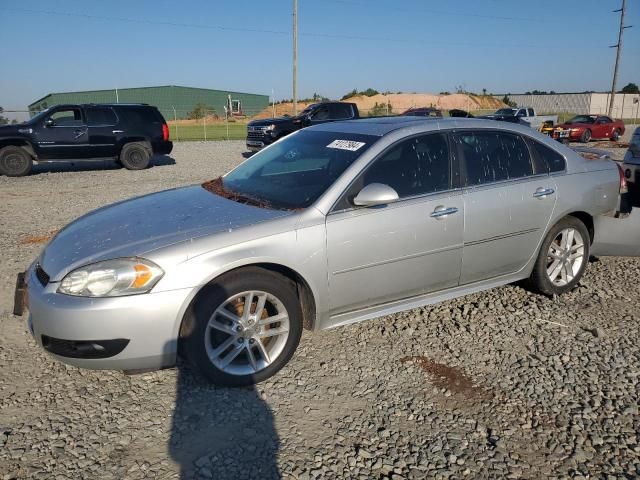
{"x": 270, "y": 127}
{"x": 112, "y": 278}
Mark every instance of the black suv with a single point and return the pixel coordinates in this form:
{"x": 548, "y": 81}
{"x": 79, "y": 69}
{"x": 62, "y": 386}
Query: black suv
{"x": 130, "y": 133}
{"x": 261, "y": 133}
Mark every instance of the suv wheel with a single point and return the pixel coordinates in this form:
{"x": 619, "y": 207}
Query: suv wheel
{"x": 562, "y": 259}
{"x": 15, "y": 161}
{"x": 135, "y": 156}
{"x": 244, "y": 328}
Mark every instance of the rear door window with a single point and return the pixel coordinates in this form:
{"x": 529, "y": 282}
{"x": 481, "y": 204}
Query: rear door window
{"x": 551, "y": 159}
{"x": 530, "y": 110}
{"x": 488, "y": 157}
{"x": 100, "y": 116}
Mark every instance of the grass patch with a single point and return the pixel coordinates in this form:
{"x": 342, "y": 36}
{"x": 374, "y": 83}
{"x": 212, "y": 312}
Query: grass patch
{"x": 214, "y": 131}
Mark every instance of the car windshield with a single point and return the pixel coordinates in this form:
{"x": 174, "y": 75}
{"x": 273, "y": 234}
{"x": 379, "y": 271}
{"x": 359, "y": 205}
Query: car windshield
{"x": 40, "y": 115}
{"x": 307, "y": 110}
{"x": 505, "y": 111}
{"x": 581, "y": 119}
{"x": 292, "y": 173}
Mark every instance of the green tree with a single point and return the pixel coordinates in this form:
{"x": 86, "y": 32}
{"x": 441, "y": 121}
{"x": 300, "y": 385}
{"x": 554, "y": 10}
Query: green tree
{"x": 507, "y": 101}
{"x": 3, "y": 120}
{"x": 350, "y": 94}
{"x": 369, "y": 92}
{"x": 200, "y": 110}
{"x": 630, "y": 88}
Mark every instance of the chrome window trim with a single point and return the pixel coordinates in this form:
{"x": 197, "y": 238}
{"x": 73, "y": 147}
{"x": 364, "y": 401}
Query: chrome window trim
{"x": 425, "y": 197}
{"x": 523, "y": 135}
{"x": 404, "y": 199}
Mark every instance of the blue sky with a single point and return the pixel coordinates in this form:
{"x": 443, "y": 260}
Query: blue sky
{"x": 407, "y": 45}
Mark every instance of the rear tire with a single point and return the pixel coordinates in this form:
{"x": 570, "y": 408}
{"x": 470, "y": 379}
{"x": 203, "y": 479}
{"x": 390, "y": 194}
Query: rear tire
{"x": 562, "y": 259}
{"x": 15, "y": 161}
{"x": 586, "y": 136}
{"x": 135, "y": 156}
{"x": 233, "y": 349}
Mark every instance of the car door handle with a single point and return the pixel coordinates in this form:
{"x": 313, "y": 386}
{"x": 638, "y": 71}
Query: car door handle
{"x": 442, "y": 212}
{"x": 117, "y": 131}
{"x": 543, "y": 192}
{"x": 78, "y": 133}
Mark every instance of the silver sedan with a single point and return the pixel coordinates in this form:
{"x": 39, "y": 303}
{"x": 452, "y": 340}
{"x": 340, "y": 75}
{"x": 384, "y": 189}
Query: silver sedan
{"x": 332, "y": 225}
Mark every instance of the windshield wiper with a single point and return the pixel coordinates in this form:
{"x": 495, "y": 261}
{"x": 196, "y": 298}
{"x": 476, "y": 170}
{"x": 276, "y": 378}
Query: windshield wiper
{"x": 217, "y": 187}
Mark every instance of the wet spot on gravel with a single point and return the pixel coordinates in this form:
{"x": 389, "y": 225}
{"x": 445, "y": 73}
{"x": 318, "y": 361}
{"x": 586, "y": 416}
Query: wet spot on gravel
{"x": 444, "y": 376}
{"x": 37, "y": 239}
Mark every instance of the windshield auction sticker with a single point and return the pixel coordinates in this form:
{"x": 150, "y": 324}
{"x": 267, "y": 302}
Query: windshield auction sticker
{"x": 346, "y": 145}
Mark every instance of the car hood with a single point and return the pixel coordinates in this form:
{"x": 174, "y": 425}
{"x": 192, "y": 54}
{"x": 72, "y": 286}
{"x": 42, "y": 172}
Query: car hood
{"x": 265, "y": 122}
{"x": 7, "y": 130}
{"x": 573, "y": 125}
{"x": 137, "y": 226}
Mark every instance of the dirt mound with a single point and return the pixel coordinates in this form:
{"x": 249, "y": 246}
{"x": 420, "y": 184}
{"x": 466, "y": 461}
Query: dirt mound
{"x": 401, "y": 102}
{"x": 281, "y": 110}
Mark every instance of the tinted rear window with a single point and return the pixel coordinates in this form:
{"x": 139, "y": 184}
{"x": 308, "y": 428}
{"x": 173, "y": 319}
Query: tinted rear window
{"x": 101, "y": 116}
{"x": 553, "y": 159}
{"x": 140, "y": 115}
{"x": 492, "y": 157}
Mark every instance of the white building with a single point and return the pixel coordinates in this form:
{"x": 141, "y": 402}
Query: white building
{"x": 625, "y": 105}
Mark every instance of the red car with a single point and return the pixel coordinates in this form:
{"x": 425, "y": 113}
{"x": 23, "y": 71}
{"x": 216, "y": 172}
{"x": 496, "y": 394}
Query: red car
{"x": 585, "y": 127}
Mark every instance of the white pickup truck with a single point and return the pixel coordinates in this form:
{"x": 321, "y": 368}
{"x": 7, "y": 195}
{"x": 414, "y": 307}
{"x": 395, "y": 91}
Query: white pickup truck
{"x": 524, "y": 115}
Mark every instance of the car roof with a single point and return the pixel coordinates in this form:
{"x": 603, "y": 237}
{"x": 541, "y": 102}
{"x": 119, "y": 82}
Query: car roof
{"x": 380, "y": 126}
{"x": 71, "y": 105}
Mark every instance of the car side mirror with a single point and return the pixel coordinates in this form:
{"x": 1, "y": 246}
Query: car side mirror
{"x": 375, "y": 194}
{"x": 49, "y": 122}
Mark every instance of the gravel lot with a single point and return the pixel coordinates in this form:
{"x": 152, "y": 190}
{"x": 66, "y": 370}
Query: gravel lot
{"x": 501, "y": 384}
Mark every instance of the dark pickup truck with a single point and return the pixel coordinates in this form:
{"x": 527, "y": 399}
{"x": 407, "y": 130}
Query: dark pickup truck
{"x": 129, "y": 133}
{"x": 261, "y": 133}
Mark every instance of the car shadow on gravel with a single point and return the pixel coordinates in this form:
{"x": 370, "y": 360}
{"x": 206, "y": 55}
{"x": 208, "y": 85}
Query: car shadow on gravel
{"x": 221, "y": 433}
{"x": 92, "y": 165}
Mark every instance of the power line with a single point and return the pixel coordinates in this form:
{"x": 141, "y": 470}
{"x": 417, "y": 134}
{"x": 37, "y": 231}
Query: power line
{"x": 618, "y": 48}
{"x": 278, "y": 32}
{"x": 432, "y": 12}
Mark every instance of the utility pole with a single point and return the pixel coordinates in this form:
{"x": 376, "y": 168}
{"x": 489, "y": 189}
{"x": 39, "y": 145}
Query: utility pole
{"x": 295, "y": 57}
{"x": 618, "y": 48}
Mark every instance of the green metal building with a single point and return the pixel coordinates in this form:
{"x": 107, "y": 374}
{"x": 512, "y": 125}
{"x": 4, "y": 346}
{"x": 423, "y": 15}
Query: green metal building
{"x": 174, "y": 102}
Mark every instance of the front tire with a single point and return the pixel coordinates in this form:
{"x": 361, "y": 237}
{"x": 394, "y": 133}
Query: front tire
{"x": 15, "y": 161}
{"x": 586, "y": 136}
{"x": 135, "y": 156}
{"x": 562, "y": 259}
{"x": 243, "y": 328}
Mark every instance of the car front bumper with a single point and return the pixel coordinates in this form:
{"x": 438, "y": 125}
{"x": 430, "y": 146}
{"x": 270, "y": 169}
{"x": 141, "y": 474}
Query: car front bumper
{"x": 136, "y": 332}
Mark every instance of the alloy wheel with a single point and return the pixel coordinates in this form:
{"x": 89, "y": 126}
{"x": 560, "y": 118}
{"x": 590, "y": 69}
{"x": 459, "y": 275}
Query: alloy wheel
{"x": 565, "y": 257}
{"x": 247, "y": 333}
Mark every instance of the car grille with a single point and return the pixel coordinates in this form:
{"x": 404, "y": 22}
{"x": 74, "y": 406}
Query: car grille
{"x": 255, "y": 133}
{"x": 42, "y": 276}
{"x": 84, "y": 348}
